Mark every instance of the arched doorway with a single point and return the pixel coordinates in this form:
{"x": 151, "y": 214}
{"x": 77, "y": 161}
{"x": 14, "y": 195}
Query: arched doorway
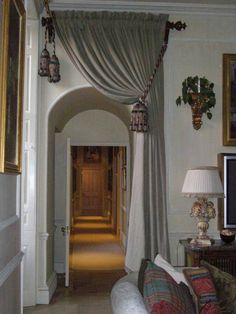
{"x": 89, "y": 119}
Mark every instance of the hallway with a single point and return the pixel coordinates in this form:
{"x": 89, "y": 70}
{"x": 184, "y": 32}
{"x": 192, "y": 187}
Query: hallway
{"x": 96, "y": 263}
{"x": 94, "y": 247}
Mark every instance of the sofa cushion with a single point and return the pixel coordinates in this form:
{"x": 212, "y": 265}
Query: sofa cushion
{"x": 159, "y": 286}
{"x": 202, "y": 287}
{"x": 176, "y": 275}
{"x": 225, "y": 286}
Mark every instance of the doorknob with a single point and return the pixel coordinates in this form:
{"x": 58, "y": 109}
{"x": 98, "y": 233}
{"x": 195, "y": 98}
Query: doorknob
{"x": 65, "y": 230}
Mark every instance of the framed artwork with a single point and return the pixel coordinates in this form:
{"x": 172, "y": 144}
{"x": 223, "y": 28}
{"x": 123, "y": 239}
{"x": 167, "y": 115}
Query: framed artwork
{"x": 92, "y": 154}
{"x": 229, "y": 99}
{"x": 11, "y": 84}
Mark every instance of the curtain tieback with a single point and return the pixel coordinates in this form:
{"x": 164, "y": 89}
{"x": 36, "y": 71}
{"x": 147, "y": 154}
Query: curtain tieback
{"x": 139, "y": 114}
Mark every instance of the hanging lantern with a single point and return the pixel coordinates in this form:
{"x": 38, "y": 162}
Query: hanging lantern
{"x": 49, "y": 67}
{"x": 139, "y": 117}
{"x": 44, "y": 63}
{"x": 54, "y": 70}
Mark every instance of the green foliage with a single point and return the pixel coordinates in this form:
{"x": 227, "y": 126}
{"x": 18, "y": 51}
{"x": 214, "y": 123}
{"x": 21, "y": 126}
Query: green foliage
{"x": 190, "y": 87}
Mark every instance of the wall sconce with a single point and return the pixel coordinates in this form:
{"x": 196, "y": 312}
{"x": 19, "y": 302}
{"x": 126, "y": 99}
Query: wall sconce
{"x": 49, "y": 66}
{"x": 203, "y": 182}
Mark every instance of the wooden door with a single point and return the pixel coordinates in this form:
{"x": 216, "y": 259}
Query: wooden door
{"x": 92, "y": 191}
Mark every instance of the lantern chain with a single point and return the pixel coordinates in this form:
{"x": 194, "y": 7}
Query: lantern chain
{"x": 46, "y": 5}
{"x": 49, "y": 66}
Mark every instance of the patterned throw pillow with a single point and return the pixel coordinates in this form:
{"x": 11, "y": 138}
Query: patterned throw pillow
{"x": 210, "y": 308}
{"x": 163, "y": 307}
{"x": 159, "y": 287}
{"x": 202, "y": 286}
{"x": 225, "y": 286}
{"x": 141, "y": 274}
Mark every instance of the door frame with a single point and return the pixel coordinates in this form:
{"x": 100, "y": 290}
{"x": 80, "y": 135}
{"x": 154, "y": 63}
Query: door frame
{"x": 68, "y": 210}
{"x": 128, "y": 169}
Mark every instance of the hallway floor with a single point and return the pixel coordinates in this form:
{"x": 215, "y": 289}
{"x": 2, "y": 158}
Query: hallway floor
{"x": 96, "y": 263}
{"x": 94, "y": 246}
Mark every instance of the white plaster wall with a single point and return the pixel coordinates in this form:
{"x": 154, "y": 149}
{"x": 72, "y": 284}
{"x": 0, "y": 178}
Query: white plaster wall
{"x": 48, "y": 96}
{"x": 96, "y": 127}
{"x": 10, "y": 245}
{"x": 10, "y": 240}
{"x": 196, "y": 51}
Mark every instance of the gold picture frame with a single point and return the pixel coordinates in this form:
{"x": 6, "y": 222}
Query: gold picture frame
{"x": 11, "y": 84}
{"x": 229, "y": 99}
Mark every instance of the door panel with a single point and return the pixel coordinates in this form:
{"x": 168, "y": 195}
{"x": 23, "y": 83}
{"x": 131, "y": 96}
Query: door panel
{"x": 62, "y": 205}
{"x": 92, "y": 192}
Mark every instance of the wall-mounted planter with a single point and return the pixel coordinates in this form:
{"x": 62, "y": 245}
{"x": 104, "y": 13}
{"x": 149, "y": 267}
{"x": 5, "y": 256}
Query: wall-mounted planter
{"x": 199, "y": 94}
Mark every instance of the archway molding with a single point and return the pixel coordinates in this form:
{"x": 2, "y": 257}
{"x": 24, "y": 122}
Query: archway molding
{"x": 59, "y": 112}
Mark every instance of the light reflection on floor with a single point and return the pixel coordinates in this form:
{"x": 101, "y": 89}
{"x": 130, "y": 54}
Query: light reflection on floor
{"x": 97, "y": 249}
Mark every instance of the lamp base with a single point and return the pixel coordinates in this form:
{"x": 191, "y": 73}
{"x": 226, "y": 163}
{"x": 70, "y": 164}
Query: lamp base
{"x": 201, "y": 242}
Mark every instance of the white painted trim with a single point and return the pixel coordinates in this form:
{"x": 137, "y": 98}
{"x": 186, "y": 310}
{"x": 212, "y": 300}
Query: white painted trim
{"x": 68, "y": 211}
{"x": 43, "y": 236}
{"x": 52, "y": 284}
{"x": 59, "y": 267}
{"x": 123, "y": 240}
{"x": 59, "y": 222}
{"x": 151, "y": 6}
{"x": 45, "y": 293}
{"x": 10, "y": 267}
{"x": 102, "y": 143}
{"x": 124, "y": 208}
{"x": 204, "y": 40}
{"x": 185, "y": 235}
{"x": 8, "y": 222}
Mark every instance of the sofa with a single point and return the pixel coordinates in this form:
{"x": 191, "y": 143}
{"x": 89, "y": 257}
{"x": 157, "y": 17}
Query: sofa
{"x": 126, "y": 297}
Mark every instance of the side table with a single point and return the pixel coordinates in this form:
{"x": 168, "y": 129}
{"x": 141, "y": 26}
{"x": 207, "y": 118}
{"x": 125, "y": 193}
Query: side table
{"x": 219, "y": 254}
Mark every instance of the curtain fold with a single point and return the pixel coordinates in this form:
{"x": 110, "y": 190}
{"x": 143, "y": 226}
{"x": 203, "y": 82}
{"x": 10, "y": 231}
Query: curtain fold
{"x": 116, "y": 52}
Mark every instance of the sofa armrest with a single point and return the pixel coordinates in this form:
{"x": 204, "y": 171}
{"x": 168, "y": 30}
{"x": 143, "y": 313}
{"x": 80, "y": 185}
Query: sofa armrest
{"x": 126, "y": 299}
{"x": 130, "y": 277}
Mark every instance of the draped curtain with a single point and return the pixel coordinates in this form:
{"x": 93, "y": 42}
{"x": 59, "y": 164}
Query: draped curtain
{"x": 116, "y": 53}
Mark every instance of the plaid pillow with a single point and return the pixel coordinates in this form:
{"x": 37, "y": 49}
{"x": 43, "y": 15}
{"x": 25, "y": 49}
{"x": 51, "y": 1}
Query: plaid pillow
{"x": 210, "y": 308}
{"x": 225, "y": 287}
{"x": 160, "y": 287}
{"x": 163, "y": 307}
{"x": 202, "y": 285}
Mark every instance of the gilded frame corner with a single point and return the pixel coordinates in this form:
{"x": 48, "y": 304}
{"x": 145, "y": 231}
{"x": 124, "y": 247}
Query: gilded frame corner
{"x": 11, "y": 85}
{"x": 229, "y": 99}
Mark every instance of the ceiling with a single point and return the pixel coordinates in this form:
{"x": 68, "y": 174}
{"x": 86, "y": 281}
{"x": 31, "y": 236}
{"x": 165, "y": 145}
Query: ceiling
{"x": 206, "y": 2}
{"x": 218, "y": 7}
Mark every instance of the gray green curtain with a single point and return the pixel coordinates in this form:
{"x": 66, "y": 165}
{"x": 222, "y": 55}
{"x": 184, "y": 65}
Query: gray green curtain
{"x": 116, "y": 52}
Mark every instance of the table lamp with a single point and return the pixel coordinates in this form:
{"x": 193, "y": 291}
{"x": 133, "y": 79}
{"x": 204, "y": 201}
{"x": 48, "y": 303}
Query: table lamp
{"x": 203, "y": 183}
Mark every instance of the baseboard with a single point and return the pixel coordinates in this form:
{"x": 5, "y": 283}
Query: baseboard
{"x": 45, "y": 293}
{"x": 59, "y": 267}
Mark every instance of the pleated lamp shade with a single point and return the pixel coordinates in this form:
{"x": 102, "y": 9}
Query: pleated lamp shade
{"x": 203, "y": 182}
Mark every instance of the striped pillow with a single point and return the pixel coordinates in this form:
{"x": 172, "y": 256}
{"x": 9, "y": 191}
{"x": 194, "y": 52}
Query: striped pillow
{"x": 202, "y": 286}
{"x": 160, "y": 288}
